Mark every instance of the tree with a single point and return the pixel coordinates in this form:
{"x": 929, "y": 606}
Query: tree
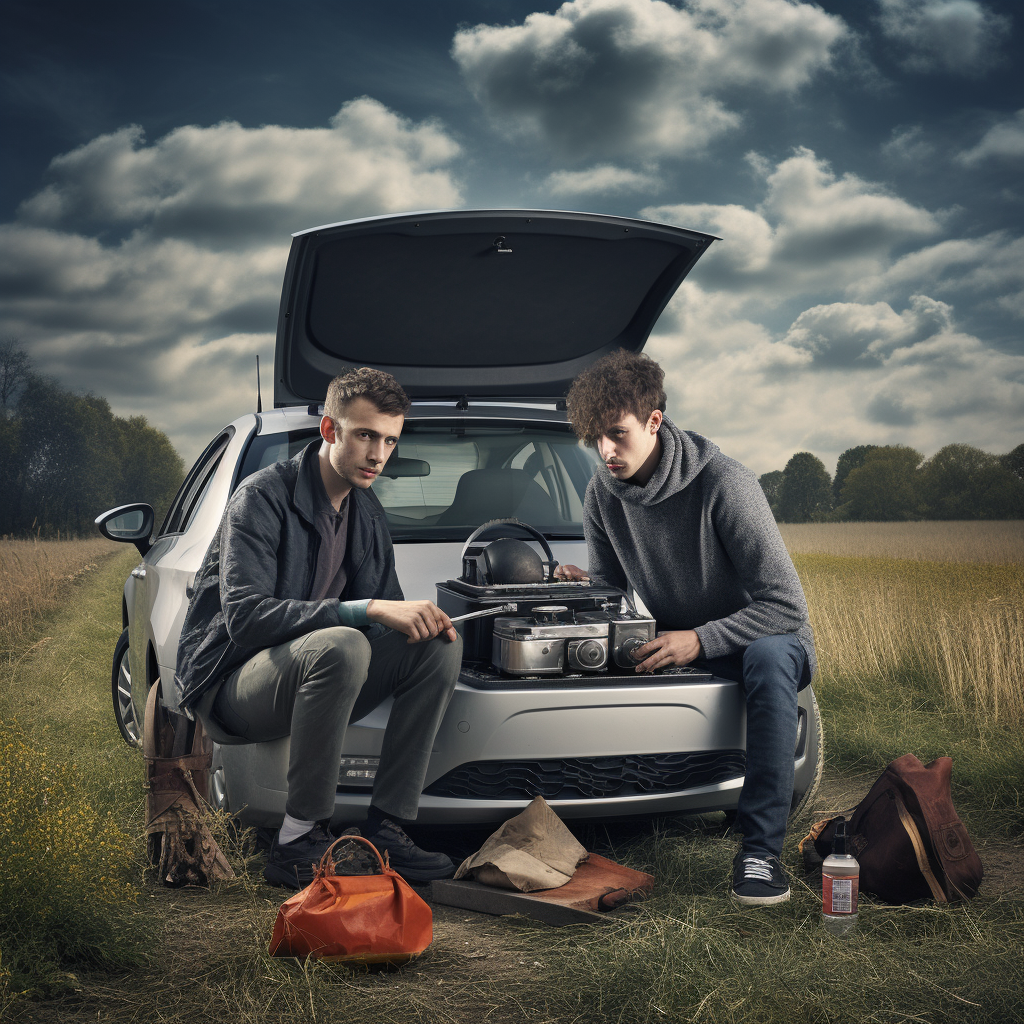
{"x": 852, "y": 458}
{"x": 884, "y": 487}
{"x": 1014, "y": 461}
{"x": 771, "y": 484}
{"x": 14, "y": 371}
{"x": 65, "y": 458}
{"x": 806, "y": 490}
{"x": 962, "y": 482}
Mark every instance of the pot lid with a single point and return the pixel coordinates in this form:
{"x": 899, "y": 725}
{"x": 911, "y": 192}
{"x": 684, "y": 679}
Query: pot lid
{"x": 473, "y": 303}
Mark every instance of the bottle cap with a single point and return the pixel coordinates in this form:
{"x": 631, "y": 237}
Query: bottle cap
{"x": 839, "y": 837}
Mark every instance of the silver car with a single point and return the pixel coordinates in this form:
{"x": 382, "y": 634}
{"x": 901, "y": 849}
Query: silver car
{"x": 485, "y": 317}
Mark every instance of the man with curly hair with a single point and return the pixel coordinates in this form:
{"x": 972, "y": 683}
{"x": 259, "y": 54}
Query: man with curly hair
{"x": 690, "y": 530}
{"x": 298, "y": 625}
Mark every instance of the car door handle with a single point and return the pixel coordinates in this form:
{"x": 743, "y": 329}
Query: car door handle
{"x": 139, "y": 572}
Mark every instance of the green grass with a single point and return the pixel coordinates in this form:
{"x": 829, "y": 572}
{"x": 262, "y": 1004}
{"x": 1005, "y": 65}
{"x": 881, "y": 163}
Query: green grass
{"x": 687, "y": 954}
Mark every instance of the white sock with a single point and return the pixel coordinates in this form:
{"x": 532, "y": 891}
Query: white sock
{"x": 292, "y": 828}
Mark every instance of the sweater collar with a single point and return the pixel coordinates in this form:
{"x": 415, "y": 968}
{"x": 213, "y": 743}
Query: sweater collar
{"x": 683, "y": 455}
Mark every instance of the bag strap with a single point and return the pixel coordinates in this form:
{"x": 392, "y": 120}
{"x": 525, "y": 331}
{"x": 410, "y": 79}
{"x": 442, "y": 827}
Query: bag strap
{"x": 919, "y": 850}
{"x": 326, "y": 865}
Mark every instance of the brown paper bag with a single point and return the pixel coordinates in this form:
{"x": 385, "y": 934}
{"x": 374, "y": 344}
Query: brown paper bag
{"x": 534, "y": 850}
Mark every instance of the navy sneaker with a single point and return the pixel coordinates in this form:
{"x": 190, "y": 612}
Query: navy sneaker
{"x": 758, "y": 881}
{"x": 293, "y": 864}
{"x": 412, "y": 863}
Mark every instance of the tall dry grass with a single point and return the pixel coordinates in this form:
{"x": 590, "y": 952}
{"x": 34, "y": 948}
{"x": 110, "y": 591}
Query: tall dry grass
{"x": 953, "y": 630}
{"x": 997, "y": 542}
{"x": 37, "y": 575}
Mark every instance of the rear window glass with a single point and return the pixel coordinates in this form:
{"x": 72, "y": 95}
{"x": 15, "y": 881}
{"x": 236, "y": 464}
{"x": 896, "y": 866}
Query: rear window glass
{"x": 446, "y": 478}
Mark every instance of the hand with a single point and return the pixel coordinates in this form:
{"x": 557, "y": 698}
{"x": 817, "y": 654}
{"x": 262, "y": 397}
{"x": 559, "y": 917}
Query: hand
{"x": 418, "y": 620}
{"x": 570, "y": 572}
{"x": 676, "y": 648}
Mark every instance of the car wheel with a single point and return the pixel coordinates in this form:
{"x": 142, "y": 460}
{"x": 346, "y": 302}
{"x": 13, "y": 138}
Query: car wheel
{"x": 121, "y": 691}
{"x": 817, "y": 741}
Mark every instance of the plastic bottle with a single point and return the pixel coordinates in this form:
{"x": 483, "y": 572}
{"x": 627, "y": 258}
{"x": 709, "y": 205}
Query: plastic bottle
{"x": 840, "y": 879}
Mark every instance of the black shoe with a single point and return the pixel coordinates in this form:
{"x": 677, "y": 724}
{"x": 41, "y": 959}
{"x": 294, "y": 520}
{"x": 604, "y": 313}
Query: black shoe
{"x": 406, "y": 857}
{"x": 294, "y": 864}
{"x": 758, "y": 881}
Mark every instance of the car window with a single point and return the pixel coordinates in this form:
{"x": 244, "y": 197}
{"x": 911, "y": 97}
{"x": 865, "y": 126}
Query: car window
{"x": 191, "y": 493}
{"x": 446, "y": 478}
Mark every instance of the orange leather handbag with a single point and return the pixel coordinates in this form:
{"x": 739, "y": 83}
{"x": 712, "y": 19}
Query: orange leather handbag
{"x": 360, "y": 918}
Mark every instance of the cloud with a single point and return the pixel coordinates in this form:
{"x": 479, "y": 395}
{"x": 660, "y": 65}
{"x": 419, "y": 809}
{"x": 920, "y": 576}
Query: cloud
{"x": 611, "y": 78}
{"x": 164, "y": 318}
{"x": 909, "y": 146}
{"x": 1004, "y": 140}
{"x": 991, "y": 266}
{"x": 957, "y": 36}
{"x": 226, "y": 185}
{"x": 601, "y": 180}
{"x": 763, "y": 396}
{"x": 853, "y": 335}
{"x": 812, "y": 230}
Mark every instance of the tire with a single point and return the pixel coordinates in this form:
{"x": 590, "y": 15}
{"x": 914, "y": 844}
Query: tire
{"x": 121, "y": 692}
{"x": 801, "y": 801}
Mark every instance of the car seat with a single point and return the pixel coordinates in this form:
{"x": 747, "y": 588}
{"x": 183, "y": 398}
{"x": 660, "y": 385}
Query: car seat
{"x": 484, "y": 494}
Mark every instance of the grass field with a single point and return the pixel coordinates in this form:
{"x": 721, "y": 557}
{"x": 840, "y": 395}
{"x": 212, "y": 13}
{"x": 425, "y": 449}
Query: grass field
{"x": 995, "y": 542}
{"x": 887, "y": 685}
{"x": 36, "y": 576}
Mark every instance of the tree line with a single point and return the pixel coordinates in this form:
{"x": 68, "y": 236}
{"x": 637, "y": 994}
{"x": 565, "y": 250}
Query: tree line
{"x": 65, "y": 457}
{"x": 880, "y": 483}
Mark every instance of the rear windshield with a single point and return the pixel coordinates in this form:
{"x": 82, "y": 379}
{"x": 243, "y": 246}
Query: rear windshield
{"x": 446, "y": 478}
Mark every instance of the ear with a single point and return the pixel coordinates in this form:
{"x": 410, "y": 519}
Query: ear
{"x": 327, "y": 431}
{"x": 654, "y": 423}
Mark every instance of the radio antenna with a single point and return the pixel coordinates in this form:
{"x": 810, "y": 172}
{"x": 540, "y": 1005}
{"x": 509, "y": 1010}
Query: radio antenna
{"x": 259, "y": 397}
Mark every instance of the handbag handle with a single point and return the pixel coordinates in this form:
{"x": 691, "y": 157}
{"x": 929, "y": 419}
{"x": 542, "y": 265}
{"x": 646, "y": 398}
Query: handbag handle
{"x": 919, "y": 850}
{"x": 326, "y": 865}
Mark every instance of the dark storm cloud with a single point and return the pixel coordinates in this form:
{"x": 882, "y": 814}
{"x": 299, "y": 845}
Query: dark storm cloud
{"x": 961, "y": 37}
{"x": 629, "y": 78}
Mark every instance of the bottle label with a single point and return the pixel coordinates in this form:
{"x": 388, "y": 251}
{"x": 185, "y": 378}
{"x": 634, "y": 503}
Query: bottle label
{"x": 839, "y": 895}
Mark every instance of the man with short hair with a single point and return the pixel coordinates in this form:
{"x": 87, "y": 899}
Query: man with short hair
{"x": 690, "y": 530}
{"x": 298, "y": 625}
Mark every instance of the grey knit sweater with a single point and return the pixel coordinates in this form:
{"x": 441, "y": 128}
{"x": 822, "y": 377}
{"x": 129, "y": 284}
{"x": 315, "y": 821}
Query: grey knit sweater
{"x": 699, "y": 544}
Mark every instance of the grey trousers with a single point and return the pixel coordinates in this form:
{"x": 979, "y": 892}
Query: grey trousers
{"x": 312, "y": 687}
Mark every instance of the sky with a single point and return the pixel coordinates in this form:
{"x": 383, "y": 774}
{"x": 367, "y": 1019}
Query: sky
{"x": 862, "y": 162}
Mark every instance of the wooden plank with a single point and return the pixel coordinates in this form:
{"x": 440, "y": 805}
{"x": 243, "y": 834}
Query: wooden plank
{"x": 575, "y": 902}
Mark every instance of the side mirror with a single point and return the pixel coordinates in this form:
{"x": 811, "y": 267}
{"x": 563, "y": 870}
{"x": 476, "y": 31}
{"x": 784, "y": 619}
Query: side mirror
{"x": 128, "y": 523}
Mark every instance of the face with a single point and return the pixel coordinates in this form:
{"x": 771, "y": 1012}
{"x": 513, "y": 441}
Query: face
{"x": 629, "y": 448}
{"x": 360, "y": 443}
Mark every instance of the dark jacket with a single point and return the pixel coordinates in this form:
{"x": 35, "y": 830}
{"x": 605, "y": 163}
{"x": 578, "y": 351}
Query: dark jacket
{"x": 699, "y": 544}
{"x": 252, "y": 590}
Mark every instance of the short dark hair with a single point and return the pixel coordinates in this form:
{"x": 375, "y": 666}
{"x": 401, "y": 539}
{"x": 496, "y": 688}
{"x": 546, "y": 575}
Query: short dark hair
{"x": 375, "y": 385}
{"x": 622, "y": 382}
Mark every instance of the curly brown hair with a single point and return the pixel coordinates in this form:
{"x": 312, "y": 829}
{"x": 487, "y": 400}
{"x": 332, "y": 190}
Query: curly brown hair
{"x": 622, "y": 382}
{"x": 379, "y": 387}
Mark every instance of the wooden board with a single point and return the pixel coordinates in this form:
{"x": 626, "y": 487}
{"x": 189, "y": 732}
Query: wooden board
{"x": 581, "y": 900}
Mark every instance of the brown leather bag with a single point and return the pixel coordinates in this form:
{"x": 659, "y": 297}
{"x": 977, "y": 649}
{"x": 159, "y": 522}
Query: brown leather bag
{"x": 364, "y": 919}
{"x": 907, "y": 837}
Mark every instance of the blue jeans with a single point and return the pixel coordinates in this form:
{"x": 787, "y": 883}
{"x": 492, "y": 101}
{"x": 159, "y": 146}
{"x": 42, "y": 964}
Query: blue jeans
{"x": 771, "y": 670}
